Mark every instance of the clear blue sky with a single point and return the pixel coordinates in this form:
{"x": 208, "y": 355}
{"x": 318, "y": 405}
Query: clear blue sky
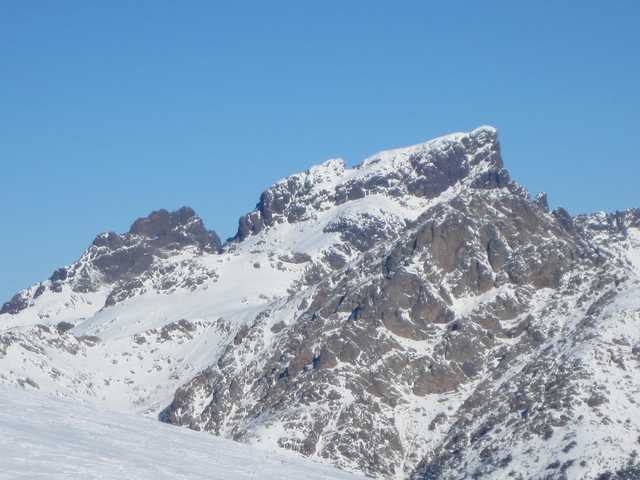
{"x": 109, "y": 110}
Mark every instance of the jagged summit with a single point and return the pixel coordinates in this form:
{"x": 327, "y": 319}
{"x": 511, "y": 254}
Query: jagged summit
{"x": 113, "y": 260}
{"x": 420, "y": 171}
{"x": 160, "y": 222}
{"x": 168, "y": 230}
{"x": 485, "y": 135}
{"x": 181, "y": 227}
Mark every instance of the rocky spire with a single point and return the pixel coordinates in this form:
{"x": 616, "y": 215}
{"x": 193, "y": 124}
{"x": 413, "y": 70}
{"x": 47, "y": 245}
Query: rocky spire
{"x": 180, "y": 227}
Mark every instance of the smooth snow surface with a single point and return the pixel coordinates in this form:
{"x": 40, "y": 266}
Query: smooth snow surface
{"x": 46, "y": 437}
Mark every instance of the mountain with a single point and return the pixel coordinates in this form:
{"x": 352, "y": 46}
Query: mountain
{"x": 47, "y": 437}
{"x": 418, "y": 315}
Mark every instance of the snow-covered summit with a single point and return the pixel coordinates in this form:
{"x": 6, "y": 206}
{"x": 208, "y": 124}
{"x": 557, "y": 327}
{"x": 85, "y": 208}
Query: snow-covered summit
{"x": 418, "y": 172}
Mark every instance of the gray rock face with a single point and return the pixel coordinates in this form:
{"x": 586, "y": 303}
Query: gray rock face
{"x": 120, "y": 257}
{"x": 17, "y": 303}
{"x": 364, "y": 232}
{"x": 177, "y": 229}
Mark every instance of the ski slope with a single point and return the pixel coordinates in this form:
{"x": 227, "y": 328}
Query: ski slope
{"x": 46, "y": 437}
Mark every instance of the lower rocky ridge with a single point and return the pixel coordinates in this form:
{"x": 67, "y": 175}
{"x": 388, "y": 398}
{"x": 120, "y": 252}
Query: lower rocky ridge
{"x": 120, "y": 266}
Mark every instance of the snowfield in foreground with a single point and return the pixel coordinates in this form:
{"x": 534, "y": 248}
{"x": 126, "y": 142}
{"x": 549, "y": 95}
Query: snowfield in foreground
{"x": 46, "y": 437}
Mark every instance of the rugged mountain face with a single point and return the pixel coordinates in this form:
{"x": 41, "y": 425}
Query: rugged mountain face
{"x": 123, "y": 262}
{"x": 417, "y": 315}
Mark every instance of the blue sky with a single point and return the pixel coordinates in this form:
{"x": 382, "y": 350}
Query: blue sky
{"x": 109, "y": 110}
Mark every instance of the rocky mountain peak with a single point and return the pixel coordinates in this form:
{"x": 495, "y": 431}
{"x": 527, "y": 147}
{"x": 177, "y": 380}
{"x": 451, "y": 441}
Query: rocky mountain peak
{"x": 418, "y": 315}
{"x": 161, "y": 222}
{"x": 164, "y": 229}
{"x": 420, "y": 171}
{"x": 123, "y": 261}
{"x": 122, "y": 258}
{"x": 178, "y": 228}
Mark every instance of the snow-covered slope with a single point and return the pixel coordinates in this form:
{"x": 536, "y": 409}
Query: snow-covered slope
{"x": 46, "y": 437}
{"x": 418, "y": 314}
